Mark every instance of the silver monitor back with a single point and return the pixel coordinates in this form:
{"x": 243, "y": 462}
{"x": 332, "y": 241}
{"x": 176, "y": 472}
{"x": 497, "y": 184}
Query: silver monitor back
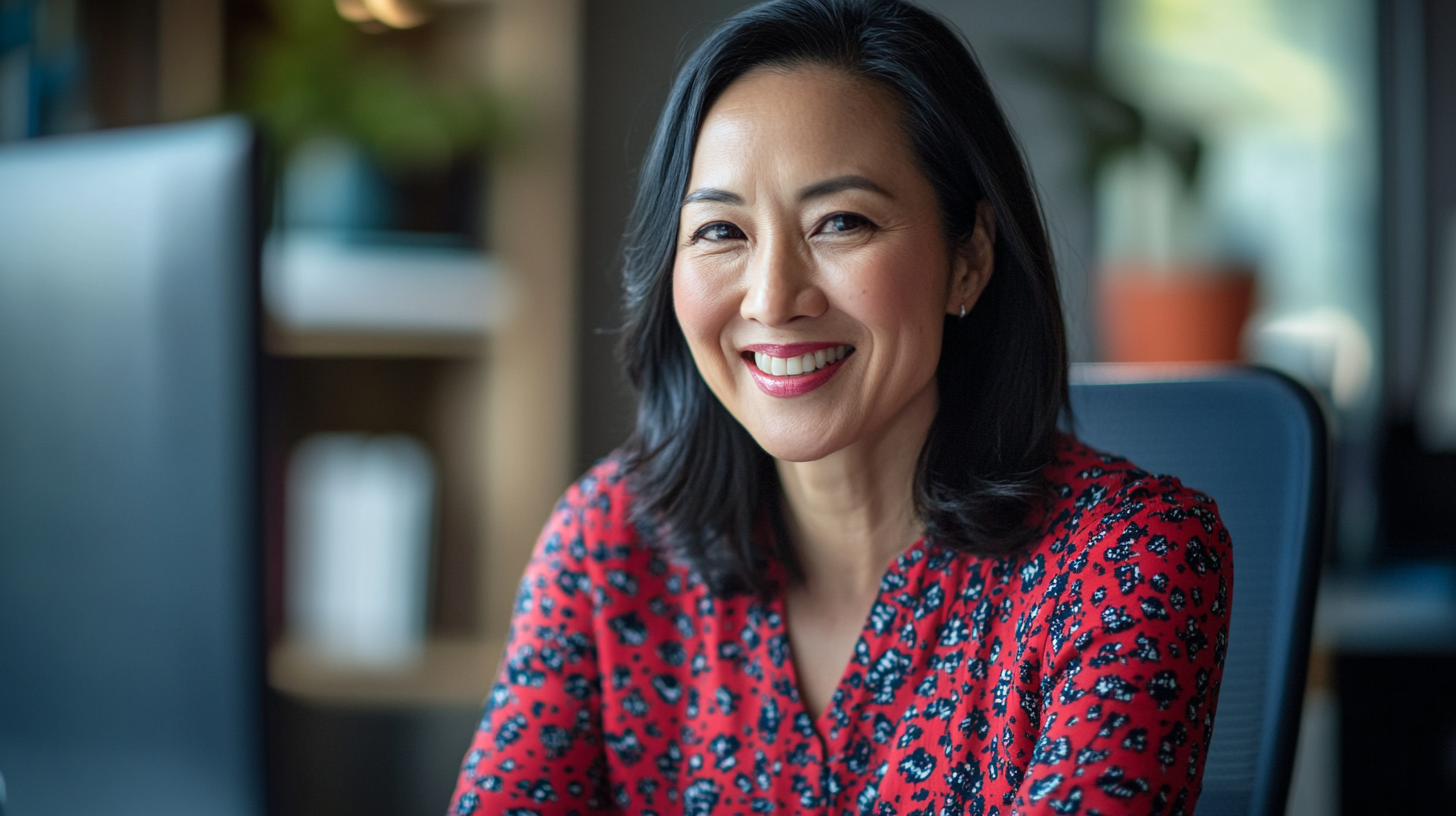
{"x": 130, "y": 609}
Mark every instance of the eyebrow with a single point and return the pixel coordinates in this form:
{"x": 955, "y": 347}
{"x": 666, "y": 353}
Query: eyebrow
{"x": 816, "y": 190}
{"x": 839, "y": 184}
{"x": 712, "y": 194}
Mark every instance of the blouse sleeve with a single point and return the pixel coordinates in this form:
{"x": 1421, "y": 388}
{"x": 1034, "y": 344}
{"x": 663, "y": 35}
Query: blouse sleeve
{"x": 1133, "y": 658}
{"x": 539, "y": 747}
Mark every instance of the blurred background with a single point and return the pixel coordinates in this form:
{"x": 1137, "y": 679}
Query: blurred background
{"x": 446, "y": 188}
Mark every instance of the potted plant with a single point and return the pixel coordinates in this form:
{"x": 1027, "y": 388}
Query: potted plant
{"x": 1163, "y": 291}
{"x": 348, "y": 108}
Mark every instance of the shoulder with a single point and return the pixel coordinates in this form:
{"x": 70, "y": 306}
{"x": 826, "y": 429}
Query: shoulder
{"x": 1131, "y": 559}
{"x": 594, "y": 530}
{"x": 602, "y": 500}
{"x": 601, "y": 492}
{"x": 1106, "y": 511}
{"x": 590, "y": 564}
{"x": 591, "y": 524}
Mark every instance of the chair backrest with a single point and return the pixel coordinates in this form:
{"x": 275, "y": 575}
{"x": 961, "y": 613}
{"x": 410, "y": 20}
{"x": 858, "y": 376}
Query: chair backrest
{"x": 1256, "y": 442}
{"x": 131, "y": 674}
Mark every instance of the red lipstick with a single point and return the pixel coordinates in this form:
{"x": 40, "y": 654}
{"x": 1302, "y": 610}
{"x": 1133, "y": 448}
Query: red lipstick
{"x": 796, "y": 384}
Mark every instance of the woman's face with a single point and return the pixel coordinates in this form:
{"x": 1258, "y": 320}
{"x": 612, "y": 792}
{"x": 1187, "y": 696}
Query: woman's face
{"x": 812, "y": 274}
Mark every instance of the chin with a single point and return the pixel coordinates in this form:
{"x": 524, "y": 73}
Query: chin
{"x": 791, "y": 442}
{"x": 796, "y": 453}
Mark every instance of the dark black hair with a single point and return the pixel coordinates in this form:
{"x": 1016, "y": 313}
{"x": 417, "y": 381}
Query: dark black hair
{"x": 703, "y": 486}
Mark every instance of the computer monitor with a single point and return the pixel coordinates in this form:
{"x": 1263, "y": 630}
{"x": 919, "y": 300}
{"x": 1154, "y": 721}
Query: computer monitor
{"x": 131, "y": 659}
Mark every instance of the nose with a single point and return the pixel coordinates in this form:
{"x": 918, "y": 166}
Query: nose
{"x": 781, "y": 285}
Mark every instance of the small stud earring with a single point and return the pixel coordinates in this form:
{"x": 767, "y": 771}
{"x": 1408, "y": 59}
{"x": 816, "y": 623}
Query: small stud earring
{"x": 963, "y": 311}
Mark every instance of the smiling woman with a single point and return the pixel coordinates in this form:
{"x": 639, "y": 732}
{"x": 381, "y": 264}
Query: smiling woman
{"x": 847, "y": 563}
{"x": 836, "y": 243}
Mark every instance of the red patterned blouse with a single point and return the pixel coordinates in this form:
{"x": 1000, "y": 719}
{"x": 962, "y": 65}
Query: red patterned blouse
{"x": 1079, "y": 676}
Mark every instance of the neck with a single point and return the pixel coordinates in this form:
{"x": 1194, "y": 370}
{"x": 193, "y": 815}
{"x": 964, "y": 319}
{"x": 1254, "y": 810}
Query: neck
{"x": 852, "y": 512}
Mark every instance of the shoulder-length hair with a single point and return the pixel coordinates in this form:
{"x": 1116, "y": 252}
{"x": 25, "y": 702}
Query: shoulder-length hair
{"x": 703, "y": 486}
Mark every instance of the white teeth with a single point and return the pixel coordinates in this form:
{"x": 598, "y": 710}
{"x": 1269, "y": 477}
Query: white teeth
{"x": 804, "y": 364}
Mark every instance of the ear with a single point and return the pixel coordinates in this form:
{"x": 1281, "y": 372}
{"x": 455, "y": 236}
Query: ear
{"x": 973, "y": 262}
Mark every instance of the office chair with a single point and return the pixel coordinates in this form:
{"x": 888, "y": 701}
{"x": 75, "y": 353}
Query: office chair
{"x": 1255, "y": 441}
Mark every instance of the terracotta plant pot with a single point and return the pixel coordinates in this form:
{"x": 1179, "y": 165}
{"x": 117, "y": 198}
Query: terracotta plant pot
{"x": 1175, "y": 315}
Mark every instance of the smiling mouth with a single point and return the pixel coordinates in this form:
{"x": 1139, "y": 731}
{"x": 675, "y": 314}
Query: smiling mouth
{"x": 806, "y": 363}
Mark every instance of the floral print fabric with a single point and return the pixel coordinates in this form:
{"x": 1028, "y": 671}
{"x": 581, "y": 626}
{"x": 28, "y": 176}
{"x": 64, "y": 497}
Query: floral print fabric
{"x": 1079, "y": 676}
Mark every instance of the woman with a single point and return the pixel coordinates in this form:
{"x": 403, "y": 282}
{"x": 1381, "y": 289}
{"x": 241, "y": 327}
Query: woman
{"x": 847, "y": 563}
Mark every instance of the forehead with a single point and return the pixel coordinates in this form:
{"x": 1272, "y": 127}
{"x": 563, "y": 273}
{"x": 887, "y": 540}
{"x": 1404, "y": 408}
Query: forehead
{"x": 803, "y": 119}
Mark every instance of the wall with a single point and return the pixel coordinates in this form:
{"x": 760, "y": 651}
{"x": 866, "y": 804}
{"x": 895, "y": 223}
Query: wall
{"x": 1042, "y": 123}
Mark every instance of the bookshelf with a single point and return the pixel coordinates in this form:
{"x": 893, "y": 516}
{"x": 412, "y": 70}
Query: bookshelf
{"x": 452, "y": 671}
{"x": 491, "y": 399}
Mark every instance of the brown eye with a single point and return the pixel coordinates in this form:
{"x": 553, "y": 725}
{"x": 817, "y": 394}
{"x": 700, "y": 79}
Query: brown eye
{"x": 718, "y": 231}
{"x": 845, "y": 222}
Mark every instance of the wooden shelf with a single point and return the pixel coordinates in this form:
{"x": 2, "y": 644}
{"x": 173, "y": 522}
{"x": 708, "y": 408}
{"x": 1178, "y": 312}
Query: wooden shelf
{"x": 449, "y": 672}
{"x": 395, "y": 294}
{"x": 292, "y": 343}
{"x": 489, "y": 390}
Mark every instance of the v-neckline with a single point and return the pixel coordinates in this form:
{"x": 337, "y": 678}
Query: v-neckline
{"x": 824, "y": 720}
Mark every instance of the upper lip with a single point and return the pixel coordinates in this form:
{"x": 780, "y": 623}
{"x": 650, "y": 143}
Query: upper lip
{"x": 787, "y": 350}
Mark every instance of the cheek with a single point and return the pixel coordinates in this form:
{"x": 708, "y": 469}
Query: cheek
{"x": 703, "y": 308}
{"x": 901, "y": 293}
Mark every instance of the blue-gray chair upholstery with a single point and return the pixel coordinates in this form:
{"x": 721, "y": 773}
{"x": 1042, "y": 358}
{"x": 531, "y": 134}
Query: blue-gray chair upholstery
{"x": 1256, "y": 442}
